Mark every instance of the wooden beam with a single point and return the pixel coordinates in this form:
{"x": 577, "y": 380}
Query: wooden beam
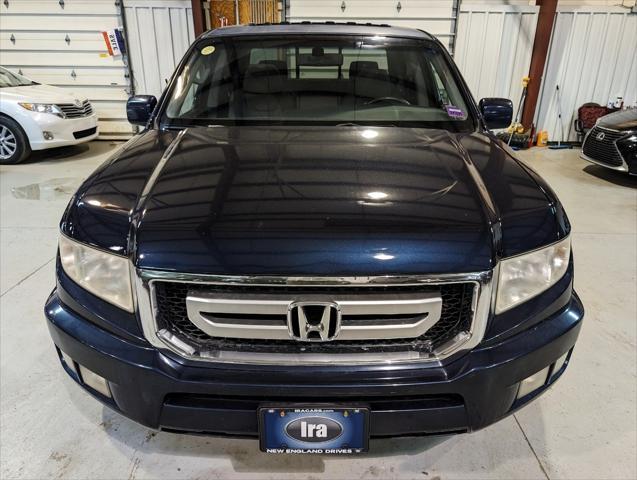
{"x": 245, "y": 12}
{"x": 197, "y": 17}
{"x": 543, "y": 32}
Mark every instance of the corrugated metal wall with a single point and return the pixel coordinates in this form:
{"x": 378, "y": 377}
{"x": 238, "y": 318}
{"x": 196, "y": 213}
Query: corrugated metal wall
{"x": 593, "y": 57}
{"x": 494, "y": 48}
{"x": 159, "y": 33}
{"x": 61, "y": 44}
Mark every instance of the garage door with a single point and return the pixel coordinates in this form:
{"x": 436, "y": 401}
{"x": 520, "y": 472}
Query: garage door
{"x": 60, "y": 43}
{"x": 433, "y": 16}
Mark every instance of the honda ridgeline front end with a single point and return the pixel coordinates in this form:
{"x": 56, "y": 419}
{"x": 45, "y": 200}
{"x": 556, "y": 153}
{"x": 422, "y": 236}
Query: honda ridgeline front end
{"x": 315, "y": 240}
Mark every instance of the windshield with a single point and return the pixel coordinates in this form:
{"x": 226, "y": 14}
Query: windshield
{"x": 310, "y": 80}
{"x": 10, "y": 79}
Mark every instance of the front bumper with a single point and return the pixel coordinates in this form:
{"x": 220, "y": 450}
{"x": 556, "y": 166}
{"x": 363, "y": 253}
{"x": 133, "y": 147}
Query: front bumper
{"x": 625, "y": 148}
{"x": 162, "y": 391}
{"x": 64, "y": 130}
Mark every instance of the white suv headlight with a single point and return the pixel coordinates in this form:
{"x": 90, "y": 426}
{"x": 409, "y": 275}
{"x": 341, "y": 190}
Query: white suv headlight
{"x": 525, "y": 276}
{"x": 44, "y": 108}
{"x": 103, "y": 274}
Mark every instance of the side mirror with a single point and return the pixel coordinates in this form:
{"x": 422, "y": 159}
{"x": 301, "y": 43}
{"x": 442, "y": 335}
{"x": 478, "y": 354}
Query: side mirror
{"x": 139, "y": 108}
{"x": 497, "y": 112}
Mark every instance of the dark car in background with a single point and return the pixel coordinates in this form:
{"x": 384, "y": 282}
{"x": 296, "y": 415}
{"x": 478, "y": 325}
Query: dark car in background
{"x": 315, "y": 240}
{"x": 612, "y": 142}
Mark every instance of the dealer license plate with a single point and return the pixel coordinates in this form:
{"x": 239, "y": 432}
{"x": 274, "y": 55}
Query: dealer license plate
{"x": 314, "y": 430}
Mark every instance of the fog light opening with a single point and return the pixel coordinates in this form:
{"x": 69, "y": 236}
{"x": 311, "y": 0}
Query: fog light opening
{"x": 68, "y": 361}
{"x": 533, "y": 383}
{"x": 93, "y": 380}
{"x": 559, "y": 364}
{"x": 47, "y": 135}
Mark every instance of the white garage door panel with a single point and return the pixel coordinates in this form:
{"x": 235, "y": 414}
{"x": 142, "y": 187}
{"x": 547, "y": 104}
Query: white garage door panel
{"x": 78, "y": 41}
{"x": 433, "y": 16}
{"x": 114, "y": 129}
{"x": 61, "y": 59}
{"x": 107, "y": 110}
{"x": 159, "y": 32}
{"x": 71, "y": 7}
{"x": 82, "y": 65}
{"x": 83, "y": 76}
{"x": 112, "y": 94}
{"x": 366, "y": 9}
{"x": 62, "y": 23}
{"x": 436, "y": 27}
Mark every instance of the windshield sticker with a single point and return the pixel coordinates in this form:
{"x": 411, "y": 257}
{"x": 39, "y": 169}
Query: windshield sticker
{"x": 207, "y": 50}
{"x": 454, "y": 112}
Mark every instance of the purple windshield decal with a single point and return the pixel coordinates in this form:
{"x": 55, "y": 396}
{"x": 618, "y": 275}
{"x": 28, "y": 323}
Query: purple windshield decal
{"x": 455, "y": 112}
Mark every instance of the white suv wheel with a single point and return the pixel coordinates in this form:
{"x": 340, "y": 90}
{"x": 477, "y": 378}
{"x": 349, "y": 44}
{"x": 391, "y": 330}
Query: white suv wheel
{"x": 8, "y": 143}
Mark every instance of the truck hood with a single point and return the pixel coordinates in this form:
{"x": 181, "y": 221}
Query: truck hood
{"x": 40, "y": 94}
{"x": 624, "y": 120}
{"x": 311, "y": 201}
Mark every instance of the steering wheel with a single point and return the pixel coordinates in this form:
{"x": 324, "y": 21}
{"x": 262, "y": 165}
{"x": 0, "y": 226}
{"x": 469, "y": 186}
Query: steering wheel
{"x": 388, "y": 99}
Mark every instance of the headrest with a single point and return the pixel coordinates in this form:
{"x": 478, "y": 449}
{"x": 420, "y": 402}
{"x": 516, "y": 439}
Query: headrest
{"x": 262, "y": 78}
{"x": 357, "y": 67}
{"x": 371, "y": 87}
{"x": 280, "y": 65}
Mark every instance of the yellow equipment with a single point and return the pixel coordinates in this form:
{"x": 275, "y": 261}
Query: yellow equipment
{"x": 516, "y": 126}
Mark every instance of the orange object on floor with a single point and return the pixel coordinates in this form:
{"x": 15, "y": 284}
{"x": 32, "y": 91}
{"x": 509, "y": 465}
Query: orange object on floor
{"x": 542, "y": 138}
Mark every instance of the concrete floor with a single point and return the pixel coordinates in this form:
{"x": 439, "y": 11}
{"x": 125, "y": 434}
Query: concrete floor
{"x": 585, "y": 427}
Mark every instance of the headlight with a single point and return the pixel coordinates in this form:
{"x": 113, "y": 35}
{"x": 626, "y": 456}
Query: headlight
{"x": 44, "y": 108}
{"x": 527, "y": 275}
{"x": 103, "y": 274}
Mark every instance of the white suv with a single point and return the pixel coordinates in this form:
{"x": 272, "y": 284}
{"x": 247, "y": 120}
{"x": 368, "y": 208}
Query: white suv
{"x": 35, "y": 117}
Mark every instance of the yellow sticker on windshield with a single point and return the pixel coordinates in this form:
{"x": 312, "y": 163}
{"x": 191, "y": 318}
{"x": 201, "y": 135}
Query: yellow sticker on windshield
{"x": 207, "y": 50}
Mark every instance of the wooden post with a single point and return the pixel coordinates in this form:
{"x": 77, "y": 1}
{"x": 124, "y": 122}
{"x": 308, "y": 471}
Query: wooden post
{"x": 245, "y": 12}
{"x": 543, "y": 32}
{"x": 197, "y": 17}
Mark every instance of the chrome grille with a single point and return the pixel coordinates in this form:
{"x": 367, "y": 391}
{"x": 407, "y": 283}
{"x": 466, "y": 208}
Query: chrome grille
{"x": 74, "y": 111}
{"x": 466, "y": 305}
{"x": 413, "y": 318}
{"x": 604, "y": 149}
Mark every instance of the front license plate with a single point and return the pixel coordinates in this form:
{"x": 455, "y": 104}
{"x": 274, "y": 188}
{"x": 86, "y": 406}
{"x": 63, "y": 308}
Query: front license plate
{"x": 321, "y": 430}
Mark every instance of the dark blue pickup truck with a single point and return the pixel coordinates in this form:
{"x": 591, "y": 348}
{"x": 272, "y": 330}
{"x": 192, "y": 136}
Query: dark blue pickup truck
{"x": 315, "y": 240}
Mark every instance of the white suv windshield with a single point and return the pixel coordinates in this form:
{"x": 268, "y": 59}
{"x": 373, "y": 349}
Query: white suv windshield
{"x": 10, "y": 79}
{"x": 310, "y": 80}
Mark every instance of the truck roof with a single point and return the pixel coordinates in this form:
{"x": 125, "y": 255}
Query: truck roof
{"x": 318, "y": 28}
